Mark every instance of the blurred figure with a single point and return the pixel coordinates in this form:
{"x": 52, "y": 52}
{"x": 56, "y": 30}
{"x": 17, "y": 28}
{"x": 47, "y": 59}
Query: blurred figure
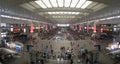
{"x": 82, "y": 52}
{"x": 88, "y": 57}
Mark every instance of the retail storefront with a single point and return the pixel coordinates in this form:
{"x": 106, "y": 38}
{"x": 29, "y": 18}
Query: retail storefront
{"x": 16, "y": 46}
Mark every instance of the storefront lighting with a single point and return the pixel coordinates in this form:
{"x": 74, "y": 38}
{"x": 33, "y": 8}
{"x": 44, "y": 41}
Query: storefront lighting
{"x": 24, "y": 30}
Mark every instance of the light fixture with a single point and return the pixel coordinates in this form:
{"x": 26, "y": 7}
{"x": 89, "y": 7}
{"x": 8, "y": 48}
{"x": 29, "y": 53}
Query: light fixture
{"x": 49, "y": 12}
{"x": 74, "y": 3}
{"x": 69, "y": 12}
{"x": 57, "y": 12}
{"x": 80, "y": 3}
{"x": 40, "y": 3}
{"x": 53, "y": 12}
{"x": 63, "y": 25}
{"x": 47, "y": 3}
{"x": 64, "y": 13}
{"x": 76, "y": 13}
{"x": 73, "y": 12}
{"x": 87, "y": 3}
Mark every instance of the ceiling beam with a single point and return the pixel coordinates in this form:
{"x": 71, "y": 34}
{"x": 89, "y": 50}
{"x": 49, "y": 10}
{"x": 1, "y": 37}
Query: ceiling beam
{"x": 63, "y": 9}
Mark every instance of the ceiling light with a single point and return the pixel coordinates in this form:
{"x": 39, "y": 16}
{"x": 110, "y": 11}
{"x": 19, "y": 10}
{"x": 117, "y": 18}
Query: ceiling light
{"x": 47, "y": 3}
{"x": 80, "y": 3}
{"x": 49, "y": 12}
{"x": 63, "y": 25}
{"x": 74, "y": 3}
{"x": 65, "y": 12}
{"x": 87, "y": 3}
{"x": 77, "y": 13}
{"x": 69, "y": 12}
{"x": 67, "y": 3}
{"x": 53, "y": 12}
{"x": 61, "y": 12}
{"x": 73, "y": 12}
{"x": 60, "y": 3}
{"x": 40, "y": 3}
{"x": 57, "y": 12}
{"x": 54, "y": 3}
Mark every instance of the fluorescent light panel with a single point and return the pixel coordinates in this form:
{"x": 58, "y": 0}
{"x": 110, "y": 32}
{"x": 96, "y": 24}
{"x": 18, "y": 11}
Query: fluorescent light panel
{"x": 74, "y": 3}
{"x": 67, "y": 3}
{"x": 63, "y": 16}
{"x": 64, "y": 13}
{"x": 63, "y": 25}
{"x": 47, "y": 3}
{"x": 80, "y": 3}
{"x": 87, "y": 3}
{"x": 40, "y": 3}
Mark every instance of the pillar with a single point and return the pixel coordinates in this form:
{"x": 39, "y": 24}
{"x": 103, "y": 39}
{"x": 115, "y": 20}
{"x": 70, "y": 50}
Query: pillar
{"x": 0, "y": 26}
{"x": 94, "y": 28}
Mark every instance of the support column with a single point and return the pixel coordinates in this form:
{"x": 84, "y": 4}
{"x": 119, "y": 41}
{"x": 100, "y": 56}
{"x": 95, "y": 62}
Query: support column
{"x": 0, "y": 26}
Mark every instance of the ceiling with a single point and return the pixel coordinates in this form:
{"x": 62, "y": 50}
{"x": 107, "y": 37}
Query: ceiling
{"x": 63, "y": 11}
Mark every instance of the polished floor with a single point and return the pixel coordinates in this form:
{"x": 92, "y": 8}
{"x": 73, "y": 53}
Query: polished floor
{"x": 56, "y": 45}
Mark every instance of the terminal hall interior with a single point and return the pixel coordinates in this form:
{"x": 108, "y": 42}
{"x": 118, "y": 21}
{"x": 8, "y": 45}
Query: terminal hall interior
{"x": 59, "y": 31}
